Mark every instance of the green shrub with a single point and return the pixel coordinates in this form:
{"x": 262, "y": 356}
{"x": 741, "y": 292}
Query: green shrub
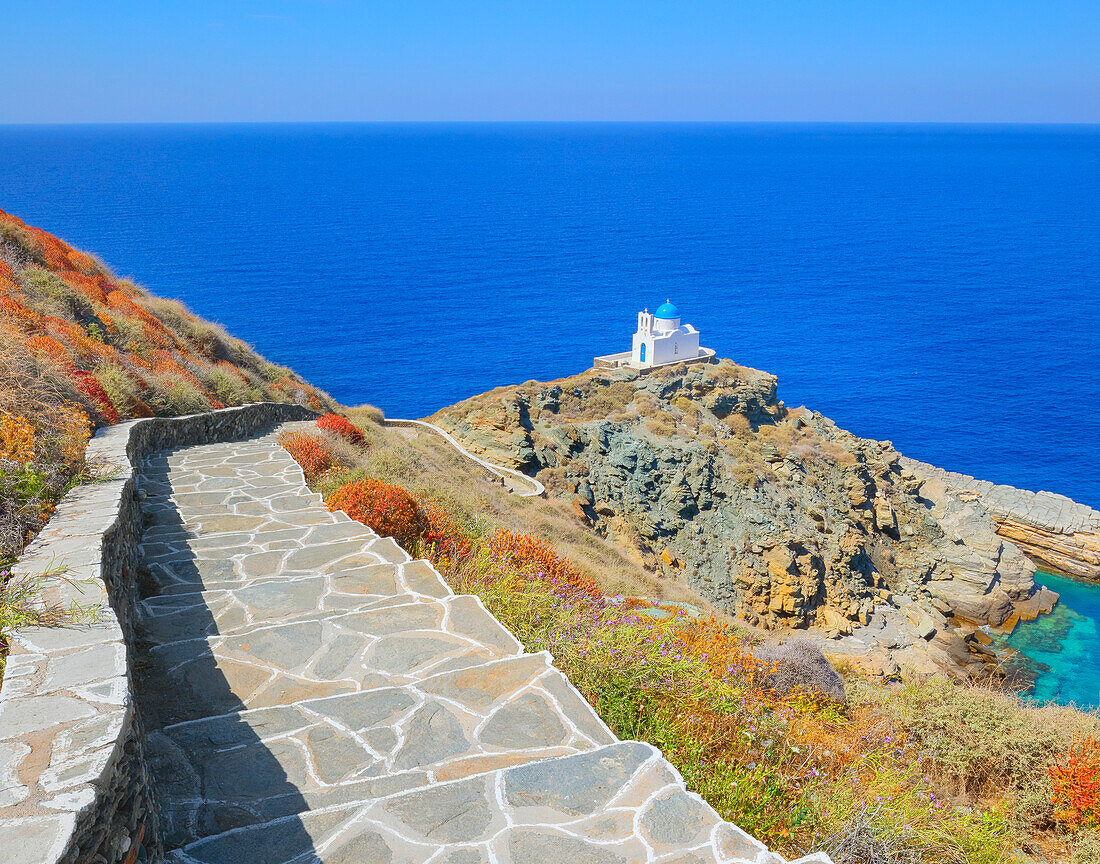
{"x": 227, "y": 388}
{"x": 121, "y": 389}
{"x": 183, "y": 399}
{"x": 27, "y": 495}
{"x": 49, "y": 294}
{"x": 984, "y": 742}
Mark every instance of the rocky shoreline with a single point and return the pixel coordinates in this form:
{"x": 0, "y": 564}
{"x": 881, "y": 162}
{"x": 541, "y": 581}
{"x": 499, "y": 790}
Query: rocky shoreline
{"x": 1056, "y": 532}
{"x": 776, "y": 516}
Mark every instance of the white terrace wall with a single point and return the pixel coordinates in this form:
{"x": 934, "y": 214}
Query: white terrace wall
{"x": 74, "y": 787}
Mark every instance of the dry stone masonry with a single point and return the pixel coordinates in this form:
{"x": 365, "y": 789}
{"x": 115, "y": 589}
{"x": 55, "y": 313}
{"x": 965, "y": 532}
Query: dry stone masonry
{"x": 270, "y": 682}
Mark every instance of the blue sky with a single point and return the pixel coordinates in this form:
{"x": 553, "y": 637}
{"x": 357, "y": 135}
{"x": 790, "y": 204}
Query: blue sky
{"x": 859, "y": 60}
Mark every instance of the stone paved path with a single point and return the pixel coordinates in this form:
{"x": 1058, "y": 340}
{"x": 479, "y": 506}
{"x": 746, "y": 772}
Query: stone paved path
{"x": 310, "y": 693}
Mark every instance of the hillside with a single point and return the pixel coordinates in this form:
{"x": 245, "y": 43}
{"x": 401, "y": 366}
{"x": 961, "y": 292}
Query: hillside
{"x": 80, "y": 349}
{"x": 911, "y": 769}
{"x": 695, "y": 486}
{"x": 776, "y": 516}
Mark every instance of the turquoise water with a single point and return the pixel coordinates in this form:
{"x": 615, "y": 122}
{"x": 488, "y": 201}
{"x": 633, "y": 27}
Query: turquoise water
{"x": 1063, "y": 648}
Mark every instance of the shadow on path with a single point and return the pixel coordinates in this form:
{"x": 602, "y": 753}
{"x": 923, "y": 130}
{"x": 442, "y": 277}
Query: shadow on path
{"x": 212, "y": 771}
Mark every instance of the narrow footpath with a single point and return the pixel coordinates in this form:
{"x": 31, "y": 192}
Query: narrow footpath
{"x": 312, "y": 694}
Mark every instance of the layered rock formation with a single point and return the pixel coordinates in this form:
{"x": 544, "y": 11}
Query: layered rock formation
{"x": 777, "y": 516}
{"x": 1055, "y": 531}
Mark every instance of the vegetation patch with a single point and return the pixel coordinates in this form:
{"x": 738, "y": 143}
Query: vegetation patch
{"x": 22, "y": 605}
{"x": 341, "y": 427}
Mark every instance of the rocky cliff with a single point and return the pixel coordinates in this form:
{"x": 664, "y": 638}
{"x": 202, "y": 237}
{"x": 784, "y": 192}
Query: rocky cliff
{"x": 777, "y": 516}
{"x": 1054, "y": 531}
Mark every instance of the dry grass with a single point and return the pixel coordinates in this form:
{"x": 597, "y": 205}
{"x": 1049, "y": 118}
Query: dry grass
{"x": 425, "y": 464}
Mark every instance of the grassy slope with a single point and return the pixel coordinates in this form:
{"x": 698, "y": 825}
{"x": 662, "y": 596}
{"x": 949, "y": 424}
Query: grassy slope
{"x": 426, "y": 465}
{"x": 80, "y": 349}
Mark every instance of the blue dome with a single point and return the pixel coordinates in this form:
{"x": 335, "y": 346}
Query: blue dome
{"x": 667, "y": 310}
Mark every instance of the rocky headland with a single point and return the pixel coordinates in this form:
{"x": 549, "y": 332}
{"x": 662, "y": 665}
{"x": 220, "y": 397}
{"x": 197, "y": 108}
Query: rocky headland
{"x": 776, "y": 516}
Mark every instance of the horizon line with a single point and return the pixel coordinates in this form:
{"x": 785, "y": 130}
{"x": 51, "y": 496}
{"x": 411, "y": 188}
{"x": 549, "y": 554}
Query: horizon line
{"x": 544, "y": 122}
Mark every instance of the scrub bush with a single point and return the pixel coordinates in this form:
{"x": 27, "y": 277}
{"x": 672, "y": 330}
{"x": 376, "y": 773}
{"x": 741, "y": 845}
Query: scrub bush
{"x": 87, "y": 384}
{"x": 313, "y": 454}
{"x": 384, "y": 508}
{"x": 1075, "y": 778}
{"x": 341, "y": 427}
{"x": 16, "y": 439}
{"x": 800, "y": 665}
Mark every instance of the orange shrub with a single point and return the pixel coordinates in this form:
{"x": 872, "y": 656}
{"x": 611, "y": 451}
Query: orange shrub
{"x": 89, "y": 351}
{"x": 74, "y": 429}
{"x": 7, "y": 276}
{"x": 714, "y": 644}
{"x": 49, "y": 346}
{"x": 340, "y": 426}
{"x": 95, "y": 289}
{"x": 313, "y": 454}
{"x": 1076, "y": 782}
{"x": 155, "y": 332}
{"x": 535, "y": 556}
{"x": 387, "y": 509}
{"x": 107, "y": 322}
{"x": 16, "y": 439}
{"x": 23, "y": 316}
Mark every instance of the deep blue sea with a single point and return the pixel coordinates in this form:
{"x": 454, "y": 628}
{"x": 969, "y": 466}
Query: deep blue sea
{"x": 938, "y": 286}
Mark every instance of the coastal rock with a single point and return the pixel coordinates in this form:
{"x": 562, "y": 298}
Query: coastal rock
{"x": 777, "y": 516}
{"x": 1054, "y": 531}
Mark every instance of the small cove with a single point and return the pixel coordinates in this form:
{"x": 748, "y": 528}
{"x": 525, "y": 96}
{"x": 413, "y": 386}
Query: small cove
{"x": 1062, "y": 649}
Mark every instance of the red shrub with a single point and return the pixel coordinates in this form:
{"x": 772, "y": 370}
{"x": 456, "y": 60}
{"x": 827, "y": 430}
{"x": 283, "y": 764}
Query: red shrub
{"x": 87, "y": 384}
{"x": 387, "y": 509}
{"x": 341, "y": 426}
{"x": 1076, "y": 782}
{"x": 313, "y": 454}
{"x": 443, "y": 536}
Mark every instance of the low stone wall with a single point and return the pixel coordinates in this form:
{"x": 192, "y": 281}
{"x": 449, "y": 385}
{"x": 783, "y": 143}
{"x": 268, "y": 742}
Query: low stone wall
{"x": 74, "y": 786}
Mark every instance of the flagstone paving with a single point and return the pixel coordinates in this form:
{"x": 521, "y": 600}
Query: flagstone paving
{"x": 311, "y": 693}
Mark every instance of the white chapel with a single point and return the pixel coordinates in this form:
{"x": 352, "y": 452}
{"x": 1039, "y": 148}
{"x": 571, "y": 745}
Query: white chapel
{"x": 660, "y": 340}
